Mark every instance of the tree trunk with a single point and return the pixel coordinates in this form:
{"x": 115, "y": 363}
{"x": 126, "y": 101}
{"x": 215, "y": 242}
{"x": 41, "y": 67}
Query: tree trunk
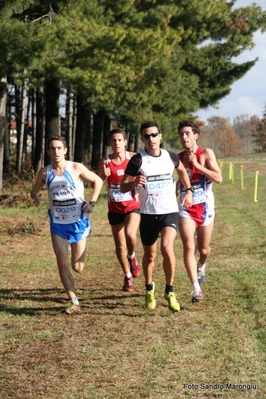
{"x": 98, "y": 124}
{"x": 88, "y": 137}
{"x": 6, "y": 162}
{"x": 40, "y": 145}
{"x": 22, "y": 128}
{"x": 28, "y": 121}
{"x": 69, "y": 124}
{"x": 131, "y": 141}
{"x": 3, "y": 125}
{"x": 106, "y": 134}
{"x": 18, "y": 125}
{"x": 137, "y": 139}
{"x": 7, "y": 138}
{"x": 81, "y": 129}
{"x": 74, "y": 124}
{"x": 33, "y": 125}
{"x": 52, "y": 93}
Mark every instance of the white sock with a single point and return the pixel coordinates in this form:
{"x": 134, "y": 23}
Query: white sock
{"x": 128, "y": 275}
{"x": 130, "y": 256}
{"x": 75, "y": 300}
{"x": 201, "y": 268}
{"x": 196, "y": 287}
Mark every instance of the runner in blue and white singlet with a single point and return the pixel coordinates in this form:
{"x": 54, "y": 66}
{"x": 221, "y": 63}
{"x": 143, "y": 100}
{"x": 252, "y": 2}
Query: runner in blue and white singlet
{"x": 69, "y": 213}
{"x": 66, "y": 196}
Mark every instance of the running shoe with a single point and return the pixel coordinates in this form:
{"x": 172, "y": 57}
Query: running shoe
{"x": 73, "y": 308}
{"x": 197, "y": 296}
{"x": 134, "y": 266}
{"x": 172, "y": 301}
{"x": 128, "y": 287}
{"x": 150, "y": 301}
{"x": 201, "y": 273}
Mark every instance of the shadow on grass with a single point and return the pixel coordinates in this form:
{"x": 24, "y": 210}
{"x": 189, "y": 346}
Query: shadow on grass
{"x": 94, "y": 300}
{"x": 12, "y": 296}
{"x": 31, "y": 295}
{"x": 28, "y": 311}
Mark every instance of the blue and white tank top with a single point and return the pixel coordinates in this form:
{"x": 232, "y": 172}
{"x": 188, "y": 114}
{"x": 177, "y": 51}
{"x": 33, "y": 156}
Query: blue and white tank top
{"x": 66, "y": 196}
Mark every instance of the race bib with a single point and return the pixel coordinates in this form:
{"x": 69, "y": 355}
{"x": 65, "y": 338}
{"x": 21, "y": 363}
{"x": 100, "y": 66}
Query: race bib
{"x": 65, "y": 209}
{"x": 198, "y": 196}
{"x": 117, "y": 196}
{"x": 159, "y": 184}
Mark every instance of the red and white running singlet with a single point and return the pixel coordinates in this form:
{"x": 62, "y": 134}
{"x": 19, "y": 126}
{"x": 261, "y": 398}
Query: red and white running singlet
{"x": 120, "y": 202}
{"x": 202, "y": 210}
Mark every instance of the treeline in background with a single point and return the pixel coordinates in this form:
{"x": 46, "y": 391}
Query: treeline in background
{"x": 245, "y": 136}
{"x": 79, "y": 68}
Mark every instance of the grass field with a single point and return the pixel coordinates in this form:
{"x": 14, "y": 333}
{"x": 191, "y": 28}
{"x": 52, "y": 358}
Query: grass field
{"x": 115, "y": 349}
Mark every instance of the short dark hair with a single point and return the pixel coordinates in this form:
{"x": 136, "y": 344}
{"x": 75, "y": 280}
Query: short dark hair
{"x": 117, "y": 130}
{"x": 58, "y": 138}
{"x": 148, "y": 124}
{"x": 190, "y": 123}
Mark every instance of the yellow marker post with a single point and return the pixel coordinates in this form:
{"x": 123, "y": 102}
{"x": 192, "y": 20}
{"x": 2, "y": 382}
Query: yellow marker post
{"x": 256, "y": 187}
{"x": 242, "y": 178}
{"x": 230, "y": 170}
{"x": 221, "y": 166}
{"x": 232, "y": 176}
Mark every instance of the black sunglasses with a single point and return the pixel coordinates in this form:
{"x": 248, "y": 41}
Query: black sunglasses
{"x": 147, "y": 136}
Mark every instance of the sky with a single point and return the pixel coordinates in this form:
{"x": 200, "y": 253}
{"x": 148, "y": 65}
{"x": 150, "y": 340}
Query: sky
{"x": 248, "y": 94}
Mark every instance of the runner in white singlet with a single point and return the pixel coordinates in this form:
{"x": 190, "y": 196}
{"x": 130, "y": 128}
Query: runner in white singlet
{"x": 151, "y": 170}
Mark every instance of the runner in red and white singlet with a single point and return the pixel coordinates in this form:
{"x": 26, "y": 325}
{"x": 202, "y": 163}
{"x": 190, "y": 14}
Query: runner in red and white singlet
{"x": 202, "y": 168}
{"x": 123, "y": 208}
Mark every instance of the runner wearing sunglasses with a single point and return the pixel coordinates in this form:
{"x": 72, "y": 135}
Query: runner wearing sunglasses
{"x": 151, "y": 170}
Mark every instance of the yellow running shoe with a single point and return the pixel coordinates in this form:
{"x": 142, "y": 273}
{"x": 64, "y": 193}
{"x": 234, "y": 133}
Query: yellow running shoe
{"x": 172, "y": 301}
{"x": 150, "y": 301}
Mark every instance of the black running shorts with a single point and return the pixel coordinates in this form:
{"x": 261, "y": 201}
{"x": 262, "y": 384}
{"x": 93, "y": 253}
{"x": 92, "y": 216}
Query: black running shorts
{"x": 117, "y": 218}
{"x": 152, "y": 225}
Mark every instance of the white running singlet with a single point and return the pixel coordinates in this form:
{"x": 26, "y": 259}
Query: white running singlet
{"x": 158, "y": 196}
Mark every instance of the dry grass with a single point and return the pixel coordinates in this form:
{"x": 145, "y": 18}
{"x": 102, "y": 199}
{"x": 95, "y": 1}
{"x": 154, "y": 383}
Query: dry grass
{"x": 116, "y": 349}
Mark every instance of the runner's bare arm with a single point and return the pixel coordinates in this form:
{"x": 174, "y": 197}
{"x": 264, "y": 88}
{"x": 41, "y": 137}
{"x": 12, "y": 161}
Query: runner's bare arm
{"x": 209, "y": 165}
{"x": 102, "y": 169}
{"x": 130, "y": 182}
{"x": 91, "y": 177}
{"x": 40, "y": 180}
{"x": 183, "y": 177}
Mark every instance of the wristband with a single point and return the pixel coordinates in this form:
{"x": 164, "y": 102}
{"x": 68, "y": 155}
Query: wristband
{"x": 93, "y": 203}
{"x": 189, "y": 189}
